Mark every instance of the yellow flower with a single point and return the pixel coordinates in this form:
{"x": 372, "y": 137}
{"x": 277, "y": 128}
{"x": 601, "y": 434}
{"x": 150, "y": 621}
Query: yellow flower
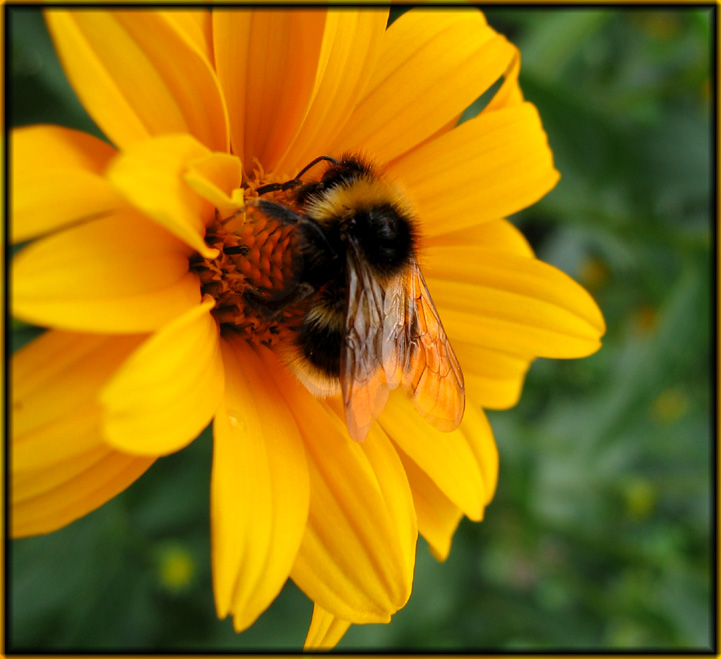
{"x": 200, "y": 108}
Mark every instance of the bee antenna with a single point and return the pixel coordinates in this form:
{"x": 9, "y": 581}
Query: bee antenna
{"x": 313, "y": 163}
{"x": 295, "y": 182}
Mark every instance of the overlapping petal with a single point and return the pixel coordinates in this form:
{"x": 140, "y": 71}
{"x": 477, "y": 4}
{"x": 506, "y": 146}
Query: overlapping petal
{"x": 216, "y": 178}
{"x": 169, "y": 389}
{"x": 57, "y": 179}
{"x": 124, "y": 66}
{"x": 267, "y": 62}
{"x": 259, "y": 489}
{"x": 61, "y": 467}
{"x": 119, "y": 274}
{"x": 485, "y": 169}
{"x": 446, "y": 457}
{"x": 497, "y": 236}
{"x": 509, "y": 93}
{"x": 348, "y": 54}
{"x": 196, "y": 26}
{"x": 479, "y": 435}
{"x": 151, "y": 176}
{"x": 438, "y": 516}
{"x": 495, "y": 376}
{"x": 435, "y": 62}
{"x": 357, "y": 555}
{"x": 325, "y": 630}
{"x": 512, "y": 303}
{"x": 355, "y": 560}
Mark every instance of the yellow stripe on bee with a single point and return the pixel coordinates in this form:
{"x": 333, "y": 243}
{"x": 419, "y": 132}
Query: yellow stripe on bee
{"x": 364, "y": 193}
{"x": 325, "y": 316}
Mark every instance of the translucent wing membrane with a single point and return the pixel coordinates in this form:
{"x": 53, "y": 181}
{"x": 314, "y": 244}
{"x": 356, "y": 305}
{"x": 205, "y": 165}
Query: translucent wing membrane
{"x": 395, "y": 337}
{"x": 363, "y": 381}
{"x": 430, "y": 374}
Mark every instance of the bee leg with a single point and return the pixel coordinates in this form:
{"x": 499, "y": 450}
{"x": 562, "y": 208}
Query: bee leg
{"x": 287, "y": 216}
{"x": 277, "y": 211}
{"x": 274, "y": 305}
{"x": 277, "y": 187}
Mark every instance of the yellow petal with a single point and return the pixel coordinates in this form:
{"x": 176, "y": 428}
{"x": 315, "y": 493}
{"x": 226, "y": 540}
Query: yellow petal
{"x": 356, "y": 558}
{"x": 325, "y": 630}
{"x": 57, "y": 146}
{"x": 59, "y": 373}
{"x": 61, "y": 468}
{"x": 509, "y": 93}
{"x": 495, "y": 376}
{"x": 438, "y": 517}
{"x": 150, "y": 175}
{"x": 485, "y": 169}
{"x": 267, "y": 63}
{"x": 259, "y": 490}
{"x": 394, "y": 486}
{"x": 498, "y": 235}
{"x": 138, "y": 75}
{"x": 349, "y": 53}
{"x": 215, "y": 178}
{"x": 512, "y": 303}
{"x": 433, "y": 64}
{"x": 445, "y": 457}
{"x": 57, "y": 179}
{"x": 169, "y": 389}
{"x": 195, "y": 26}
{"x": 120, "y": 274}
{"x": 352, "y": 560}
{"x": 105, "y": 473}
{"x": 479, "y": 434}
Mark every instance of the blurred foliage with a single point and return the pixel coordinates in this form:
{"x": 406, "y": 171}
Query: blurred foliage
{"x": 599, "y": 535}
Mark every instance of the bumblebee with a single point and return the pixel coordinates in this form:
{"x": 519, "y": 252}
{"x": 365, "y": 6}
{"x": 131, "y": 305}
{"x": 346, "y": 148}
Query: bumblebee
{"x": 368, "y": 324}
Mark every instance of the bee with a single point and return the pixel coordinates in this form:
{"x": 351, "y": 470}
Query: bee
{"x": 369, "y": 324}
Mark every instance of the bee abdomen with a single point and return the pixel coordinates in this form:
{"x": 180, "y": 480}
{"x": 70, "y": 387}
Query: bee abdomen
{"x": 320, "y": 339}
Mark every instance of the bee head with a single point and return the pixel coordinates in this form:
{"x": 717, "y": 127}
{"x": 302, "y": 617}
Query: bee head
{"x": 385, "y": 234}
{"x": 354, "y": 202}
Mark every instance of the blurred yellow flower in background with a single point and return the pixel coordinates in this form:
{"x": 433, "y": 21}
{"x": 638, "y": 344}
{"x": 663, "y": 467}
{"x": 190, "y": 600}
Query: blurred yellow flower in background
{"x": 199, "y": 109}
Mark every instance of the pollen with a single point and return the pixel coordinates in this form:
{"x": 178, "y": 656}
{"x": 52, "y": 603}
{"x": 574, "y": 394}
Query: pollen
{"x": 254, "y": 271}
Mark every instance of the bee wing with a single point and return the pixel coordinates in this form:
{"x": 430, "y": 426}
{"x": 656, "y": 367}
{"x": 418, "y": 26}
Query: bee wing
{"x": 425, "y": 363}
{"x": 398, "y": 318}
{"x": 362, "y": 378}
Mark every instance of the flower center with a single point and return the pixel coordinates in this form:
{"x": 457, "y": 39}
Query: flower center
{"x": 252, "y": 275}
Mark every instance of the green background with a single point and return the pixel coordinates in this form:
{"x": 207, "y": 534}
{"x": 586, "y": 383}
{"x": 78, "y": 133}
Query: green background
{"x": 599, "y": 535}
